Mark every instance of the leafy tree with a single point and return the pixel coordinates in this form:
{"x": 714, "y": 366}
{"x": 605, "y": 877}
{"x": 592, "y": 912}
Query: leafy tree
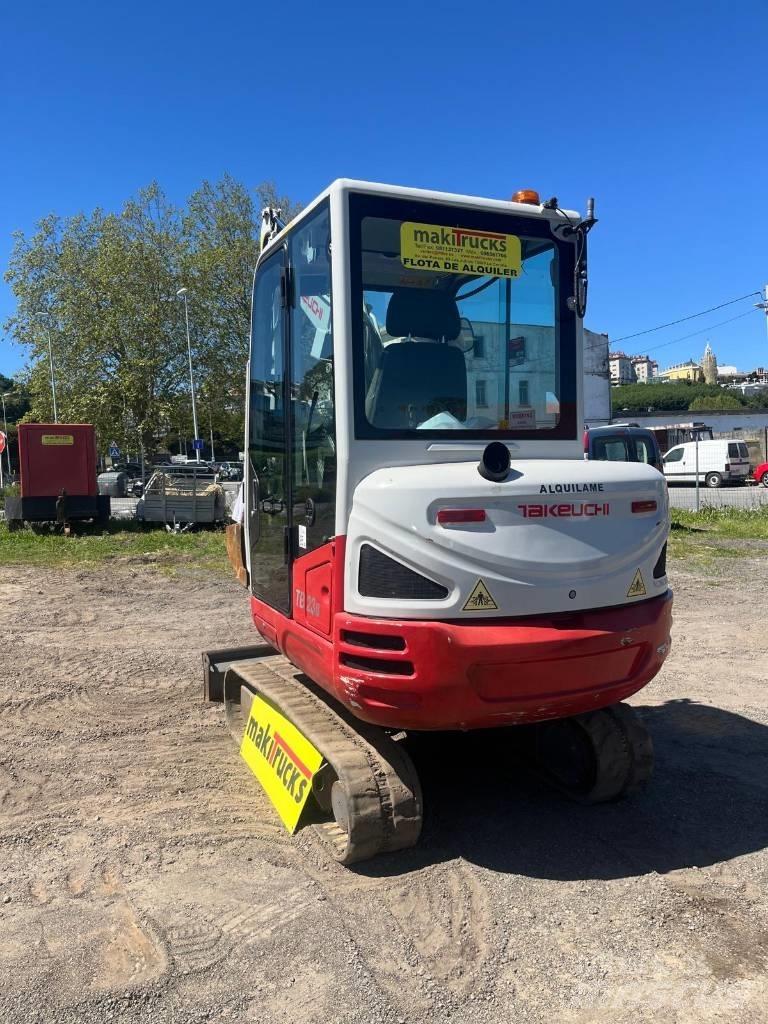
{"x": 106, "y": 286}
{"x": 17, "y": 402}
{"x": 221, "y": 245}
{"x": 673, "y": 396}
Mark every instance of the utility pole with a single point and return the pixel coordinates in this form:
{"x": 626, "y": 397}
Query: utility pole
{"x": 764, "y": 305}
{"x": 182, "y": 293}
{"x": 5, "y": 429}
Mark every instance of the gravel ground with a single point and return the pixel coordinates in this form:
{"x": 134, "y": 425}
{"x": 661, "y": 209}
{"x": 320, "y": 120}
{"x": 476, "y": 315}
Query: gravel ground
{"x": 144, "y": 877}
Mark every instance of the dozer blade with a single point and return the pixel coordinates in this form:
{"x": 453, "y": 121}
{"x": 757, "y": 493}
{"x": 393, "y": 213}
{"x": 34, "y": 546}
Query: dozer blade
{"x": 367, "y": 781}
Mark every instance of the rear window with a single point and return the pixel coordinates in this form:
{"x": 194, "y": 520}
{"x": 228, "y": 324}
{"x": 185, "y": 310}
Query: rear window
{"x": 610, "y": 449}
{"x": 737, "y": 450}
{"x": 743, "y": 451}
{"x": 645, "y": 451}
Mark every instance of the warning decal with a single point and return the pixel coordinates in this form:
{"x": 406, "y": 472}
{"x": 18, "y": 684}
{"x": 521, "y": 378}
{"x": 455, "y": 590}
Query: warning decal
{"x": 281, "y": 758}
{"x": 459, "y": 250}
{"x": 480, "y": 600}
{"x": 637, "y": 588}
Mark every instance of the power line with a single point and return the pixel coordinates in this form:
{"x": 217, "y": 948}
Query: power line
{"x": 693, "y": 334}
{"x": 682, "y": 319}
{"x": 704, "y": 330}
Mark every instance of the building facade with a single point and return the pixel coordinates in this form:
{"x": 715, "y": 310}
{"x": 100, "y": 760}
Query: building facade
{"x": 684, "y": 371}
{"x": 621, "y": 369}
{"x": 645, "y": 369}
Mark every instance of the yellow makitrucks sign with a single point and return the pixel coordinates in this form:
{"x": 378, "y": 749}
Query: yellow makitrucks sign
{"x": 459, "y": 250}
{"x": 281, "y": 758}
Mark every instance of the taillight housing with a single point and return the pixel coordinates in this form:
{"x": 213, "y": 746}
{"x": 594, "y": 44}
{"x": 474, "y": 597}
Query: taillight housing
{"x": 644, "y": 506}
{"x": 448, "y": 516}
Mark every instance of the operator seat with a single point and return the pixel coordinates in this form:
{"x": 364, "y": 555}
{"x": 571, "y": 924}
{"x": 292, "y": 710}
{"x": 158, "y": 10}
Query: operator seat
{"x": 415, "y": 380}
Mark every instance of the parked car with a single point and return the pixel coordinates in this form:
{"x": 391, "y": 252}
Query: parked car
{"x": 761, "y": 474}
{"x": 719, "y": 462}
{"x": 622, "y": 442}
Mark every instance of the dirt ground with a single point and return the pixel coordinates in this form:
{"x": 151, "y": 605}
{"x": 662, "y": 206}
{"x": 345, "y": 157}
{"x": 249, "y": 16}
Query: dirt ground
{"x": 144, "y": 876}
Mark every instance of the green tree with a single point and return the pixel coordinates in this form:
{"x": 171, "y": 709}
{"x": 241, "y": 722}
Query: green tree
{"x": 106, "y": 285}
{"x": 222, "y": 225}
{"x": 720, "y": 401}
{"x": 673, "y": 397}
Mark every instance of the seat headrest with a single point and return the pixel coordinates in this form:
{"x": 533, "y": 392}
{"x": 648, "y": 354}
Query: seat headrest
{"x": 423, "y": 313}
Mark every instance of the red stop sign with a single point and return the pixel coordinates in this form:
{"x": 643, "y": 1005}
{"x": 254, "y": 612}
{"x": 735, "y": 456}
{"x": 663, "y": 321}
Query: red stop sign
{"x": 2, "y": 442}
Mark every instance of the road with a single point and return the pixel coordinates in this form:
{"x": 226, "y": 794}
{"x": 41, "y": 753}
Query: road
{"x": 744, "y": 496}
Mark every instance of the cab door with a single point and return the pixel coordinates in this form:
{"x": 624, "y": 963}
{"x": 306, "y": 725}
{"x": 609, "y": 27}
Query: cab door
{"x": 267, "y": 483}
{"x": 312, "y": 465}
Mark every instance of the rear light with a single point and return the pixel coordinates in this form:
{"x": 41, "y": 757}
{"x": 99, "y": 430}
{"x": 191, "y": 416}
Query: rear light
{"x": 461, "y": 515}
{"x": 644, "y": 506}
{"x": 727, "y": 466}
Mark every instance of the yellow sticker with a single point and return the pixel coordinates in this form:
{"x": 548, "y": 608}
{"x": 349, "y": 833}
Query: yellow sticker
{"x": 637, "y": 588}
{"x": 281, "y": 758}
{"x": 459, "y": 250}
{"x": 480, "y": 600}
{"x": 57, "y": 439}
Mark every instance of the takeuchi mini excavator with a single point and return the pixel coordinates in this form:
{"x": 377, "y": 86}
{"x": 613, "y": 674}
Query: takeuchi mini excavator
{"x": 424, "y": 545}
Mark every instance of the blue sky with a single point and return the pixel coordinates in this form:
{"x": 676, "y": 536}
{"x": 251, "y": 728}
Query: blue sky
{"x": 659, "y": 110}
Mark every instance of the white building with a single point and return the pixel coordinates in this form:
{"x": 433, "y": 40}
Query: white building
{"x": 621, "y": 369}
{"x": 531, "y": 385}
{"x": 645, "y": 369}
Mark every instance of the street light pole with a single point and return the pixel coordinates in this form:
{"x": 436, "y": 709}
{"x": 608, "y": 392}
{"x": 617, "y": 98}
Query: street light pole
{"x": 182, "y": 292}
{"x": 764, "y": 306}
{"x": 5, "y": 429}
{"x": 50, "y": 363}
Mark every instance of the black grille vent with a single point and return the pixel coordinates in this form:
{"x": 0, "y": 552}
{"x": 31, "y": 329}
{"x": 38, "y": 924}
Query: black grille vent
{"x": 379, "y": 641}
{"x": 660, "y": 569}
{"x": 382, "y": 665}
{"x": 381, "y": 576}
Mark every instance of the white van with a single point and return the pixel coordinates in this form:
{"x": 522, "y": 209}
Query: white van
{"x": 719, "y": 462}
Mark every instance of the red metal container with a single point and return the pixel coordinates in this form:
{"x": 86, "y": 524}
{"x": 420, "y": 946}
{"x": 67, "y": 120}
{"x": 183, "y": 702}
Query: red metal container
{"x": 55, "y": 457}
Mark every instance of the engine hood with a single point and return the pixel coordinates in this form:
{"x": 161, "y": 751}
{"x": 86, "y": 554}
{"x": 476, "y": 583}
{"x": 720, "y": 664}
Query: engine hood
{"x": 557, "y": 535}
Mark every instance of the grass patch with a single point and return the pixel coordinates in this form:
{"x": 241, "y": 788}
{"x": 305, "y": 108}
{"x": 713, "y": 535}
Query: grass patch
{"x": 119, "y": 543}
{"x": 744, "y": 523}
{"x": 704, "y": 539}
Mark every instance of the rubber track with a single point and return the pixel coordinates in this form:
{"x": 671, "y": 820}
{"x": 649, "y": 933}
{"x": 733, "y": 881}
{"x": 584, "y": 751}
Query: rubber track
{"x": 379, "y": 781}
{"x": 622, "y": 750}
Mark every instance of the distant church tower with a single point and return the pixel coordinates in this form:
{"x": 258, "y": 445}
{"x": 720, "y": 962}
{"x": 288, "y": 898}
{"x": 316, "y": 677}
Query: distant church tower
{"x": 709, "y": 366}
